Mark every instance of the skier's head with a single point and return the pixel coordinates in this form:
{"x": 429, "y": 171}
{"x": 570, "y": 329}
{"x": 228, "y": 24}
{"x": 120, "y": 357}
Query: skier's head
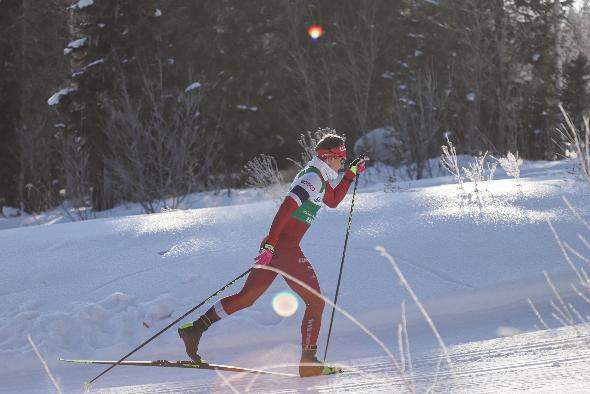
{"x": 332, "y": 150}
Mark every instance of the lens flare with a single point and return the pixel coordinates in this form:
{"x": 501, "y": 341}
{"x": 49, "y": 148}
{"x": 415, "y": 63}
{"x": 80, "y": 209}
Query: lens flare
{"x": 285, "y": 304}
{"x": 315, "y": 32}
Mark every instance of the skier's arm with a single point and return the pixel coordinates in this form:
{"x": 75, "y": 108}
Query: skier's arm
{"x": 305, "y": 188}
{"x": 333, "y": 196}
{"x": 267, "y": 247}
{"x": 287, "y": 208}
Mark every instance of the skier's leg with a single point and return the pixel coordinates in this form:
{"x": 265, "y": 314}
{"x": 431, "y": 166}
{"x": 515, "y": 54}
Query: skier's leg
{"x": 257, "y": 282}
{"x": 302, "y": 270}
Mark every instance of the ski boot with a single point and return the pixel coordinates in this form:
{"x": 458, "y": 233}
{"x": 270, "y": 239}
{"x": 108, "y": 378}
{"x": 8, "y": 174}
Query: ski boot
{"x": 191, "y": 333}
{"x": 311, "y": 366}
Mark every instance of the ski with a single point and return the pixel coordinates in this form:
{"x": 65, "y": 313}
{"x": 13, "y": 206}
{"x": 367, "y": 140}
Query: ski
{"x": 183, "y": 364}
{"x": 331, "y": 370}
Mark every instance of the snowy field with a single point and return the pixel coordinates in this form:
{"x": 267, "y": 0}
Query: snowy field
{"x": 98, "y": 288}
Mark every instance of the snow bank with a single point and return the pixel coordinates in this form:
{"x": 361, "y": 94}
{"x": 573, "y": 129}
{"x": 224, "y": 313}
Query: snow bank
{"x": 379, "y": 143}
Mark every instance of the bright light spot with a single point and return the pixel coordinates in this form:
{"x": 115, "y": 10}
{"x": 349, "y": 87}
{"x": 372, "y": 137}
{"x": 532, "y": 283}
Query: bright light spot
{"x": 315, "y": 32}
{"x": 285, "y": 304}
{"x": 499, "y": 201}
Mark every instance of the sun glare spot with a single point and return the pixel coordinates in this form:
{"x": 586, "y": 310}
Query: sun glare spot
{"x": 315, "y": 32}
{"x": 285, "y": 304}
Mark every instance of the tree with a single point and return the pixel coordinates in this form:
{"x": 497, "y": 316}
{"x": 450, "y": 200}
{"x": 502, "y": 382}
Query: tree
{"x": 419, "y": 117}
{"x": 31, "y": 54}
{"x": 537, "y": 25}
{"x": 576, "y": 93}
{"x": 9, "y": 112}
{"x": 158, "y": 146}
{"x": 481, "y": 41}
{"x": 107, "y": 37}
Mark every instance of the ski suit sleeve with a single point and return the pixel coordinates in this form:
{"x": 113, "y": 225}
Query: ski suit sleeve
{"x": 303, "y": 188}
{"x": 333, "y": 196}
{"x": 287, "y": 208}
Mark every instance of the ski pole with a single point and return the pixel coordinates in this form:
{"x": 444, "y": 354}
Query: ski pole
{"x": 87, "y": 384}
{"x": 341, "y": 266}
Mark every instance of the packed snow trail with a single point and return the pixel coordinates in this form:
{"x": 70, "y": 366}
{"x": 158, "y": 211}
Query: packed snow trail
{"x": 97, "y": 289}
{"x": 538, "y": 362}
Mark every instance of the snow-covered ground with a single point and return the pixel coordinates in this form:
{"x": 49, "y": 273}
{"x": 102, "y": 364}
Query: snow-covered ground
{"x": 98, "y": 288}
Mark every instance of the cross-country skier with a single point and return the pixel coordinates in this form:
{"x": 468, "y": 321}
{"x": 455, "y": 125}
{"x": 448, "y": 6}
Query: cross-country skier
{"x": 281, "y": 250}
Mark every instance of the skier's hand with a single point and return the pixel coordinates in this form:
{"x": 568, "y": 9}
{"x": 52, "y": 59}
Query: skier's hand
{"x": 265, "y": 256}
{"x": 358, "y": 166}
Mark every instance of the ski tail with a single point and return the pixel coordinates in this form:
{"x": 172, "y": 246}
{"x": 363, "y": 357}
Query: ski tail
{"x": 182, "y": 364}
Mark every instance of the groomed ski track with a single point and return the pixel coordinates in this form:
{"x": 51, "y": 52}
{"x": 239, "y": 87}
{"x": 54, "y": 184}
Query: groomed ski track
{"x": 539, "y": 362}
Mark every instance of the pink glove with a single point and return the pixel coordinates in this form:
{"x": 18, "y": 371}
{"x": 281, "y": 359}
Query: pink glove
{"x": 265, "y": 257}
{"x": 361, "y": 167}
{"x": 358, "y": 166}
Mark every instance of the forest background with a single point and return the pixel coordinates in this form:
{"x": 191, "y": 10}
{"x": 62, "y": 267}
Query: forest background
{"x": 107, "y": 101}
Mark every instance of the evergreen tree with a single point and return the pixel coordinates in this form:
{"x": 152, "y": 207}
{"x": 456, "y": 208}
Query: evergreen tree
{"x": 538, "y": 40}
{"x": 576, "y": 93}
{"x": 30, "y": 50}
{"x": 113, "y": 42}
{"x": 9, "y": 106}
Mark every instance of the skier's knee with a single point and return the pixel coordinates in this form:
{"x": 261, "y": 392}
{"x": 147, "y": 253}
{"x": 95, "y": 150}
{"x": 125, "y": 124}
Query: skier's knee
{"x": 316, "y": 303}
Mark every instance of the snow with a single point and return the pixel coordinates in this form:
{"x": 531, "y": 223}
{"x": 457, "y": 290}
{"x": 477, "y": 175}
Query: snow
{"x": 56, "y": 97}
{"x": 94, "y": 63}
{"x": 89, "y": 65}
{"x": 79, "y": 43}
{"x": 98, "y": 288}
{"x": 243, "y": 107}
{"x": 387, "y": 75}
{"x": 10, "y": 212}
{"x": 407, "y": 101}
{"x": 82, "y": 4}
{"x": 192, "y": 86}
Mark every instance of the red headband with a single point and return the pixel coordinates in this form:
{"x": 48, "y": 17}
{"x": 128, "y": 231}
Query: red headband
{"x": 339, "y": 151}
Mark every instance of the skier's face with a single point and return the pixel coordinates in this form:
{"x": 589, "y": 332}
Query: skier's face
{"x": 336, "y": 163}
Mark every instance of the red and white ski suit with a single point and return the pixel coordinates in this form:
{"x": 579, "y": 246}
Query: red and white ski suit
{"x": 287, "y": 230}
